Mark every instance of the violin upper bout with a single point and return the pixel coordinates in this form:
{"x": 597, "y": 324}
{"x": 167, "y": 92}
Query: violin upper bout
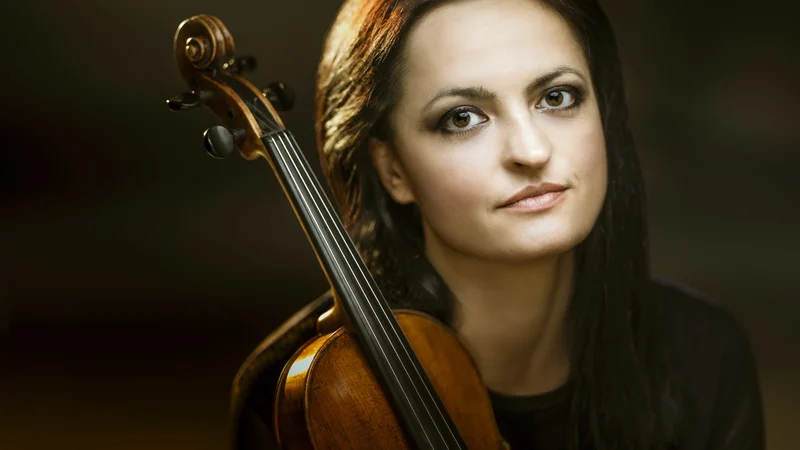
{"x": 328, "y": 397}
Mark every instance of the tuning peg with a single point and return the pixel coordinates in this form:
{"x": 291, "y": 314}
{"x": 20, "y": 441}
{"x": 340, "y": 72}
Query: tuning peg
{"x": 188, "y": 100}
{"x": 221, "y": 142}
{"x": 240, "y": 64}
{"x": 280, "y": 95}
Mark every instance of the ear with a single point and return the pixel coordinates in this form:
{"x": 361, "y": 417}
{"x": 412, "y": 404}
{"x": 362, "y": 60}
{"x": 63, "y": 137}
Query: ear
{"x": 390, "y": 171}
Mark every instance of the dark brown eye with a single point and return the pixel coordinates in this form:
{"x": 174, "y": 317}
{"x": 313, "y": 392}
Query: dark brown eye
{"x": 461, "y": 119}
{"x": 554, "y": 98}
{"x": 560, "y": 99}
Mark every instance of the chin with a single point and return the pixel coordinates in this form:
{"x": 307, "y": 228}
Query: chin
{"x": 536, "y": 244}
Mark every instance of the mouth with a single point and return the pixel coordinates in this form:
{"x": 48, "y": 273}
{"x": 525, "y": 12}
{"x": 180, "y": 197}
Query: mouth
{"x": 535, "y": 197}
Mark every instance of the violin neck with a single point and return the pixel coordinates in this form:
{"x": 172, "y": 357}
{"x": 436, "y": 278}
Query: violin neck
{"x": 385, "y": 347}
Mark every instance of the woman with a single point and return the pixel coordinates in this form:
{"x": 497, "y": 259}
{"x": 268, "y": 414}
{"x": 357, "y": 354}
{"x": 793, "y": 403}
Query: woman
{"x": 480, "y": 154}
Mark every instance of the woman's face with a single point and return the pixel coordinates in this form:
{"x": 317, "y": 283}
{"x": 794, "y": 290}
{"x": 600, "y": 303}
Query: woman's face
{"x": 496, "y": 97}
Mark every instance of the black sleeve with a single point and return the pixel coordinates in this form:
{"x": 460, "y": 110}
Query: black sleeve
{"x": 737, "y": 422}
{"x": 253, "y": 392}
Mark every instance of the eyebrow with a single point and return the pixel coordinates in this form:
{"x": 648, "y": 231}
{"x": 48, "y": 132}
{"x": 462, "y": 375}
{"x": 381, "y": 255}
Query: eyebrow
{"x": 480, "y": 93}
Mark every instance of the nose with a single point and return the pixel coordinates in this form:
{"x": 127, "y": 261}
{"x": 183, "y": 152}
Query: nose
{"x": 527, "y": 143}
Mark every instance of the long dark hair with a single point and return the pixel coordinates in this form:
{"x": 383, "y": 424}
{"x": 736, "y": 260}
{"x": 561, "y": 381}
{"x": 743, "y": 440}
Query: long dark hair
{"x": 623, "y": 396}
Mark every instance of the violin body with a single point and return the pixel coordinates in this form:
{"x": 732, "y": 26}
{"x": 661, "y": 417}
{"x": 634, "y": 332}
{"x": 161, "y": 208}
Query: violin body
{"x": 329, "y": 398}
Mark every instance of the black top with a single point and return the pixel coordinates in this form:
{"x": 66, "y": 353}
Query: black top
{"x": 714, "y": 362}
{"x": 536, "y": 421}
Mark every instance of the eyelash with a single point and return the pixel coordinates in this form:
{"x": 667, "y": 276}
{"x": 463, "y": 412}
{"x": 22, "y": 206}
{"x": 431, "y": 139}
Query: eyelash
{"x": 575, "y": 92}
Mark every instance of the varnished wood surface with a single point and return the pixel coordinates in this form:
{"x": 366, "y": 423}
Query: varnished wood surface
{"x": 329, "y": 398}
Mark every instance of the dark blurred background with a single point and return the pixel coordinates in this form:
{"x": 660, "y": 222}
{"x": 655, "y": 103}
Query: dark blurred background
{"x": 137, "y": 273}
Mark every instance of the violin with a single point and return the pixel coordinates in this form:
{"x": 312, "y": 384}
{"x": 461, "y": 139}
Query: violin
{"x": 373, "y": 378}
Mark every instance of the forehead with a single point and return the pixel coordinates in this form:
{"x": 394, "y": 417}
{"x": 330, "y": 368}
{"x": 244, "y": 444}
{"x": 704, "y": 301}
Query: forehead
{"x": 488, "y": 42}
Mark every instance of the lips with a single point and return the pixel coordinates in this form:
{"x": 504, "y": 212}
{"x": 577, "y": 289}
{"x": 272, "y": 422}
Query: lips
{"x": 533, "y": 191}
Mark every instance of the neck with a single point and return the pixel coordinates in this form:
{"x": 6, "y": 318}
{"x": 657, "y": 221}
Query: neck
{"x": 511, "y": 317}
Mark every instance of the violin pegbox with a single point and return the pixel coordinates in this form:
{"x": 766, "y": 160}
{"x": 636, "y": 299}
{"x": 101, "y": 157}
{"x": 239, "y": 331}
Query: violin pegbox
{"x": 204, "y": 51}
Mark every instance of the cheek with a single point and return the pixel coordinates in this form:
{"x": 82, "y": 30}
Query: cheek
{"x": 450, "y": 182}
{"x": 445, "y": 185}
{"x": 589, "y": 165}
{"x": 595, "y": 162}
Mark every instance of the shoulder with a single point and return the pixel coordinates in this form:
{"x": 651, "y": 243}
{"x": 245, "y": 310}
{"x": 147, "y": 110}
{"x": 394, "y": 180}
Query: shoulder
{"x": 703, "y": 334}
{"x": 693, "y": 315}
{"x": 714, "y": 366}
{"x": 254, "y": 384}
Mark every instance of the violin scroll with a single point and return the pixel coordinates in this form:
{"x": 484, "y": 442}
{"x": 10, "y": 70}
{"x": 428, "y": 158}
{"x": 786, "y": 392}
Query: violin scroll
{"x": 202, "y": 42}
{"x": 205, "y": 54}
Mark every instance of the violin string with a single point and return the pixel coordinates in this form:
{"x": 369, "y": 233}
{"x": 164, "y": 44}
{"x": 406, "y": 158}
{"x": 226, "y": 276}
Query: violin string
{"x": 350, "y": 288}
{"x": 349, "y": 249}
{"x": 360, "y": 268}
{"x": 386, "y": 313}
{"x": 254, "y": 107}
{"x": 383, "y": 351}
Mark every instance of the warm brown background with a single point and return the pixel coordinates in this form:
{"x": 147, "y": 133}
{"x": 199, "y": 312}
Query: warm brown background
{"x": 136, "y": 273}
